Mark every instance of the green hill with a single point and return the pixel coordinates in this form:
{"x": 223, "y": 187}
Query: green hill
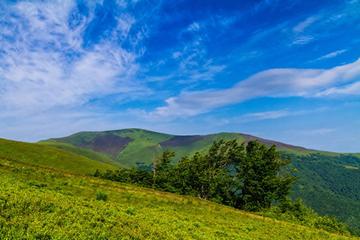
{"x": 131, "y": 146}
{"x": 328, "y": 182}
{"x": 43, "y": 203}
{"x": 51, "y": 157}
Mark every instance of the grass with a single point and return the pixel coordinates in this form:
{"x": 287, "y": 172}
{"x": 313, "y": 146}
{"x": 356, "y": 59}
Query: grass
{"x": 49, "y": 156}
{"x": 38, "y": 203}
{"x": 144, "y": 147}
{"x": 100, "y": 157}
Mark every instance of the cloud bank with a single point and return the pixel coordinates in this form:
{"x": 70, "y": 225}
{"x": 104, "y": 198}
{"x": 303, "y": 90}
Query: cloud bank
{"x": 270, "y": 83}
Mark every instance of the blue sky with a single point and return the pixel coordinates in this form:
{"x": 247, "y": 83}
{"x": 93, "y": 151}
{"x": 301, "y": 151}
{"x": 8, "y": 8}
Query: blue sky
{"x": 283, "y": 70}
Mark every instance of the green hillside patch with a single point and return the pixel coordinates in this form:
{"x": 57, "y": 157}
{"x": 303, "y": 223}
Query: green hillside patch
{"x": 100, "y": 157}
{"x": 48, "y": 156}
{"x": 351, "y": 167}
{"x": 38, "y": 203}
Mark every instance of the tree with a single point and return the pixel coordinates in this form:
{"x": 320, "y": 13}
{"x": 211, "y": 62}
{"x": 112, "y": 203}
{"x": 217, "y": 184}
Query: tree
{"x": 210, "y": 175}
{"x": 260, "y": 177}
{"x": 162, "y": 169}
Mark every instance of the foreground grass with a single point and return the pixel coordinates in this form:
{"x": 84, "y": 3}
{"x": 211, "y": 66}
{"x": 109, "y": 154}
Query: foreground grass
{"x": 38, "y": 203}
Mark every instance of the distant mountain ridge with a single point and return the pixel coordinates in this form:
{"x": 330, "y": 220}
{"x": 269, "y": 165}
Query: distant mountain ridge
{"x": 114, "y": 143}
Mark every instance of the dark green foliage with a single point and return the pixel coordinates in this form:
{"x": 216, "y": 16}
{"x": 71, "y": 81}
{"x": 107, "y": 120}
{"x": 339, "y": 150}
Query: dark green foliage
{"x": 330, "y": 185}
{"x": 130, "y": 211}
{"x": 262, "y": 183}
{"x": 101, "y": 196}
{"x": 298, "y": 212}
{"x": 162, "y": 172}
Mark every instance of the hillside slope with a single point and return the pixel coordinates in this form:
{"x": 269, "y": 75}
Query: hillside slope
{"x": 37, "y": 203}
{"x": 51, "y": 157}
{"x": 328, "y": 182}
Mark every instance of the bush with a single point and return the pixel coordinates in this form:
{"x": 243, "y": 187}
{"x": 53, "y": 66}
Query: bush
{"x": 298, "y": 212}
{"x": 101, "y": 196}
{"x": 130, "y": 211}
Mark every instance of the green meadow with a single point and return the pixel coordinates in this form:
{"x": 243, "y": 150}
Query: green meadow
{"x": 42, "y": 203}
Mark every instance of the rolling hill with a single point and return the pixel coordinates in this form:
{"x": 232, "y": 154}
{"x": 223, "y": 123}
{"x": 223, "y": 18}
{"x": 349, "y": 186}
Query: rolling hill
{"x": 328, "y": 182}
{"x": 131, "y": 146}
{"x": 45, "y": 203}
{"x": 51, "y": 157}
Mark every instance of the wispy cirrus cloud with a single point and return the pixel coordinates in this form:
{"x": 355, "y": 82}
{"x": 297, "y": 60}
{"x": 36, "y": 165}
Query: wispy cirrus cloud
{"x": 332, "y": 54}
{"x": 269, "y": 83}
{"x": 301, "y": 36}
{"x": 313, "y": 132}
{"x": 44, "y": 62}
{"x": 267, "y": 116}
{"x": 348, "y": 89}
{"x": 189, "y": 60}
{"x": 302, "y": 40}
{"x": 277, "y": 114}
{"x": 303, "y": 25}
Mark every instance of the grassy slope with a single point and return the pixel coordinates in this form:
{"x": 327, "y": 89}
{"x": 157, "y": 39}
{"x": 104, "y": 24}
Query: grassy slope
{"x": 48, "y": 156}
{"x": 145, "y": 146}
{"x": 38, "y": 203}
{"x": 100, "y": 157}
{"x": 326, "y": 180}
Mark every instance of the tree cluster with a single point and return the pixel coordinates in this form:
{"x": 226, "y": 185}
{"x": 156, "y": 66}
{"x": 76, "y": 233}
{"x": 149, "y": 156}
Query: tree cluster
{"x": 243, "y": 176}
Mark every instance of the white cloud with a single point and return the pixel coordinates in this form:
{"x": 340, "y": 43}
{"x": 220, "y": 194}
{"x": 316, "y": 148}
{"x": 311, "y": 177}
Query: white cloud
{"x": 192, "y": 60}
{"x": 267, "y": 115}
{"x": 313, "y": 132}
{"x": 43, "y": 63}
{"x": 194, "y": 27}
{"x": 303, "y": 25}
{"x": 349, "y": 89}
{"x": 301, "y": 36}
{"x": 302, "y": 40}
{"x": 332, "y": 54}
{"x": 269, "y": 83}
{"x": 176, "y": 54}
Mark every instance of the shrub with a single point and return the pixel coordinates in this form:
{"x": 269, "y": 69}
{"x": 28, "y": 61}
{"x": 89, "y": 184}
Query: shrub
{"x": 101, "y": 196}
{"x": 298, "y": 212}
{"x": 130, "y": 211}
